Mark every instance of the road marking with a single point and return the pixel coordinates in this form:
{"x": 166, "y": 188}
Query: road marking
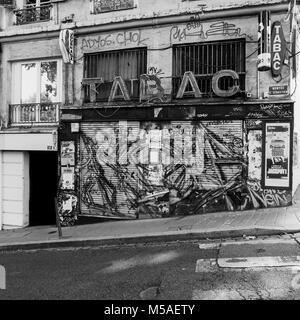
{"x": 206, "y": 265}
{"x": 253, "y": 262}
{"x": 209, "y": 246}
{"x": 265, "y": 241}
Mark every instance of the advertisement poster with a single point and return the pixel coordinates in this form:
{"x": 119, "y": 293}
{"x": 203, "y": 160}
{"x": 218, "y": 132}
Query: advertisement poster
{"x": 67, "y": 175}
{"x": 67, "y": 153}
{"x": 277, "y": 155}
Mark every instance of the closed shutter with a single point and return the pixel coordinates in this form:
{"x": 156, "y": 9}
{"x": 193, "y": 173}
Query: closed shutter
{"x": 108, "y": 188}
{"x": 130, "y": 167}
{"x": 224, "y": 152}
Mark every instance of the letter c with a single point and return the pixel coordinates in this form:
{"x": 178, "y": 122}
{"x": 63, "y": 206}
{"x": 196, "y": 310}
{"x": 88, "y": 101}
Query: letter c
{"x": 215, "y": 83}
{"x": 276, "y": 65}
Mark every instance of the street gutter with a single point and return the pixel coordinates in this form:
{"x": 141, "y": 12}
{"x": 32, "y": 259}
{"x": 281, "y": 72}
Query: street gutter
{"x": 183, "y": 235}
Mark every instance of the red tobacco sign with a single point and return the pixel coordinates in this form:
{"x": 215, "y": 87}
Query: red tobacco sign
{"x": 278, "y": 48}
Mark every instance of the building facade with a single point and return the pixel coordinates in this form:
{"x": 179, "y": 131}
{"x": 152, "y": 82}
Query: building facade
{"x": 145, "y": 109}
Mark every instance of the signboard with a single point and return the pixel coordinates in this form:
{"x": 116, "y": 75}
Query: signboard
{"x": 278, "y": 90}
{"x": 277, "y": 160}
{"x": 6, "y": 2}
{"x": 108, "y": 5}
{"x": 66, "y": 44}
{"x": 278, "y": 50}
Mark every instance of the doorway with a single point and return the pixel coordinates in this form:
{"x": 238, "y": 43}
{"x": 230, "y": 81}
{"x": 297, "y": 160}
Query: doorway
{"x": 43, "y": 186}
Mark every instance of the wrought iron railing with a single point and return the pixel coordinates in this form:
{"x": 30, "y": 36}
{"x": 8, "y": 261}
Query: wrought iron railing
{"x": 33, "y": 14}
{"x": 34, "y": 113}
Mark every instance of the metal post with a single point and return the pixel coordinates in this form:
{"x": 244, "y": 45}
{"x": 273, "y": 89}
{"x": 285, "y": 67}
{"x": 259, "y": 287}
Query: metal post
{"x": 57, "y": 219}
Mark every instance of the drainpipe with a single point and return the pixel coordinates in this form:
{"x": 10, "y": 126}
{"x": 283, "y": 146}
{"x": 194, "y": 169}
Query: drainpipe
{"x": 1, "y": 191}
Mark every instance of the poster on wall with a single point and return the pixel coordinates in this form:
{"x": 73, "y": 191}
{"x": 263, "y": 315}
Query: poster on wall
{"x": 67, "y": 153}
{"x": 67, "y": 175}
{"x": 277, "y": 159}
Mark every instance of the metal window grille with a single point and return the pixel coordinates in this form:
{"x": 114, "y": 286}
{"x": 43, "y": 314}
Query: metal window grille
{"x": 205, "y": 59}
{"x": 100, "y": 6}
{"x": 34, "y": 11}
{"x": 129, "y": 64}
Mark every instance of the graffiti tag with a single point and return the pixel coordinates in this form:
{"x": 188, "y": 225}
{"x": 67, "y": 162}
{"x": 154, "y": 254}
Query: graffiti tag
{"x": 196, "y": 29}
{"x": 122, "y": 38}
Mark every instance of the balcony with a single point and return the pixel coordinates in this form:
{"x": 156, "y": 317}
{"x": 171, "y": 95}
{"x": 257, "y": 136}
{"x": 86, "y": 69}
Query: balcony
{"x": 33, "y": 14}
{"x": 34, "y": 114}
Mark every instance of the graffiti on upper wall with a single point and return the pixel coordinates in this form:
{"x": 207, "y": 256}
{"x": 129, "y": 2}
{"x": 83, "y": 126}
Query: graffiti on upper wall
{"x": 195, "y": 29}
{"x": 151, "y": 89}
{"x": 123, "y": 38}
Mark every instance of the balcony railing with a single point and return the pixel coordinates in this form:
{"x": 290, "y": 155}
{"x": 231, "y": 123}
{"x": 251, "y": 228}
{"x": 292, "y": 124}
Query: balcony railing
{"x": 35, "y": 113}
{"x": 33, "y": 14}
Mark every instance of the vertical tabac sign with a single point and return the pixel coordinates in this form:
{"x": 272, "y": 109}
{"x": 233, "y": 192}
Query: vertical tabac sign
{"x": 264, "y": 41}
{"x": 278, "y": 49}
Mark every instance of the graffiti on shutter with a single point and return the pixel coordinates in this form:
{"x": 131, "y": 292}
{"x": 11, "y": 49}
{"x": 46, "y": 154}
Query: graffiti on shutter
{"x": 157, "y": 169}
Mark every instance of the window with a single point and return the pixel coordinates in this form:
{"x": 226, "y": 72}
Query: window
{"x": 34, "y": 11}
{"x": 129, "y": 64}
{"x": 205, "y": 59}
{"x": 39, "y": 82}
{"x": 36, "y": 3}
{"x": 100, "y": 6}
{"x": 36, "y": 92}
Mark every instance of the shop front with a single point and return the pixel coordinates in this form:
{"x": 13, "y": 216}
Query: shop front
{"x": 182, "y": 160}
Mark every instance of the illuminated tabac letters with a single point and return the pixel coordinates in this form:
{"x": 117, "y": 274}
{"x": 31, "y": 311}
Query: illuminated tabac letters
{"x": 188, "y": 79}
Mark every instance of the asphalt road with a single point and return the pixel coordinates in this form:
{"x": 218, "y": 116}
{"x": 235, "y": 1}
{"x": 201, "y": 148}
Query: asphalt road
{"x": 180, "y": 270}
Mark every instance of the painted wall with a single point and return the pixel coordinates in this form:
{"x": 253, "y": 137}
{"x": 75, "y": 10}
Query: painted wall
{"x": 143, "y": 9}
{"x": 158, "y": 40}
{"x": 42, "y": 141}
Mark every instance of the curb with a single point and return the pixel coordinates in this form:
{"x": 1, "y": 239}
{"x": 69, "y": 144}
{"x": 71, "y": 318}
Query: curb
{"x": 143, "y": 239}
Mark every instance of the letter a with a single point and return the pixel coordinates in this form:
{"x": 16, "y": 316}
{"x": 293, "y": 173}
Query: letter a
{"x": 189, "y": 77}
{"x": 119, "y": 83}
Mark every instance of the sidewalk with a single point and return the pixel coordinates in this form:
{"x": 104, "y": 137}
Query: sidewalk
{"x": 208, "y": 226}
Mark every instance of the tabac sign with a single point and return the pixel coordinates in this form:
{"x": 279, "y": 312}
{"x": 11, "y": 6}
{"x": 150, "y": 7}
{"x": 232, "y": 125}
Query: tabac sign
{"x": 278, "y": 49}
{"x": 147, "y": 83}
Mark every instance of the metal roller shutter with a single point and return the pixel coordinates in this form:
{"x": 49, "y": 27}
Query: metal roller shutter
{"x": 122, "y": 175}
{"x": 107, "y": 187}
